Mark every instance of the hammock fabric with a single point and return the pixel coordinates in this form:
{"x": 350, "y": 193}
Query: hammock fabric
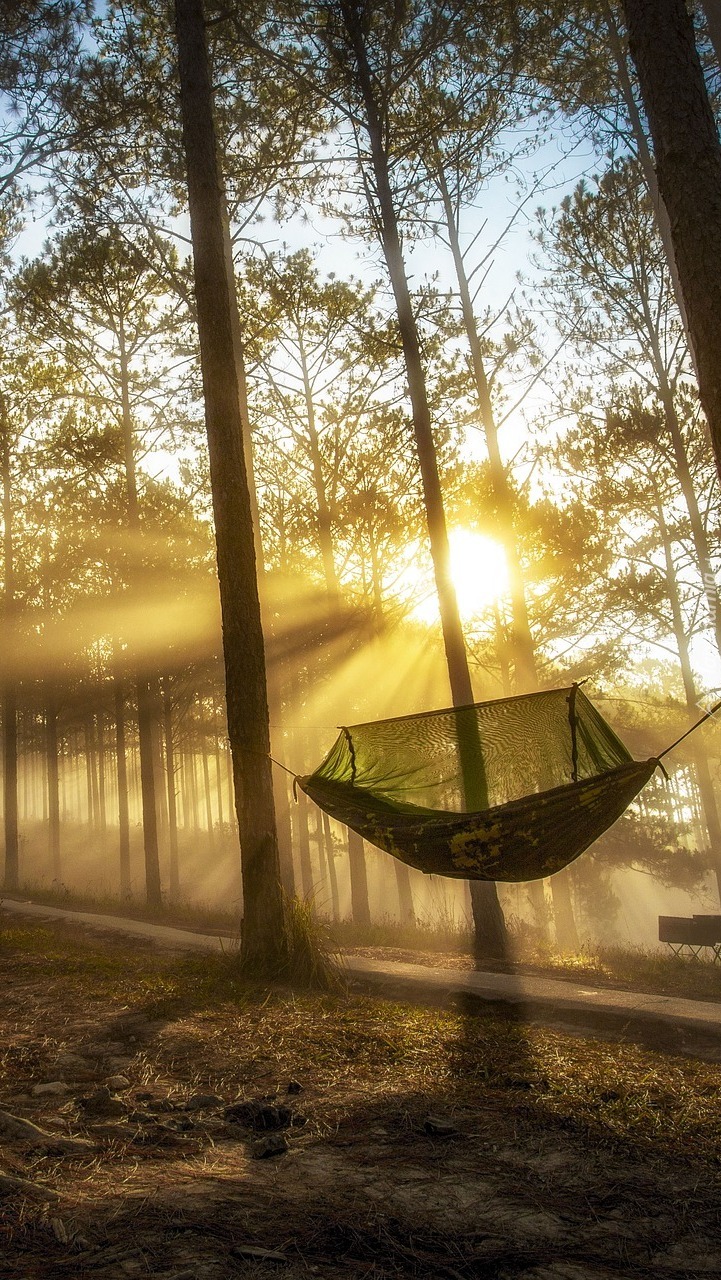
{"x": 508, "y": 790}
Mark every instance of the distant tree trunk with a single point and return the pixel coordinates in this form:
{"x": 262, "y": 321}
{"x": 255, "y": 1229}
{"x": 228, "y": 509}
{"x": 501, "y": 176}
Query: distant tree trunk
{"x": 490, "y": 930}
{"x": 325, "y": 523}
{"x": 405, "y": 893}
{"x": 75, "y": 749}
{"x": 51, "y": 753}
{"x": 91, "y": 772}
{"x": 122, "y": 778}
{"x": 142, "y": 683}
{"x": 193, "y": 787}
{"x": 306, "y": 871}
{"x": 218, "y": 783}
{"x": 184, "y": 789}
{"x": 161, "y": 790}
{"x": 206, "y": 793}
{"x": 521, "y": 643}
{"x": 153, "y": 891}
{"x": 174, "y": 870}
{"x": 360, "y": 906}
{"x": 263, "y": 935}
{"x": 232, "y": 817}
{"x": 102, "y": 806}
{"x": 687, "y": 156}
{"x": 563, "y": 917}
{"x": 23, "y": 754}
{"x": 332, "y": 873}
{"x": 9, "y": 687}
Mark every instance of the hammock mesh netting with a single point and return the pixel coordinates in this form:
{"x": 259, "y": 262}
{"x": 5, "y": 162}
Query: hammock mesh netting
{"x": 508, "y": 790}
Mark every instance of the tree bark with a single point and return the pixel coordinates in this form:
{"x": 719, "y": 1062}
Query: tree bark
{"x": 620, "y": 57}
{"x": 153, "y": 891}
{"x": 406, "y": 910}
{"x": 563, "y": 917}
{"x": 91, "y": 773}
{"x": 100, "y": 746}
{"x": 174, "y": 870}
{"x": 51, "y": 754}
{"x": 142, "y": 684}
{"x": 306, "y": 870}
{"x": 687, "y": 156}
{"x": 332, "y": 873}
{"x": 263, "y": 939}
{"x": 206, "y": 794}
{"x": 359, "y": 904}
{"x": 325, "y": 522}
{"x": 121, "y": 767}
{"x": 9, "y": 688}
{"x": 521, "y": 644}
{"x": 491, "y": 936}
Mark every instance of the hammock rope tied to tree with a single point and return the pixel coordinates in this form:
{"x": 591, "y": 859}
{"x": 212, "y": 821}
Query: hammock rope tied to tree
{"x": 512, "y": 790}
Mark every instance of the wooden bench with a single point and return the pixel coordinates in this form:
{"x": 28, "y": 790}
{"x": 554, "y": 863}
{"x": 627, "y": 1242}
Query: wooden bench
{"x": 692, "y": 934}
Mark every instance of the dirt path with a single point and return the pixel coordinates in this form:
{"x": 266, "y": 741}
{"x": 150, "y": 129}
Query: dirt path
{"x": 668, "y": 1022}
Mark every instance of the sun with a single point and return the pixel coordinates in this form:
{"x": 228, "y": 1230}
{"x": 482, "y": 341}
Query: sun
{"x": 479, "y": 572}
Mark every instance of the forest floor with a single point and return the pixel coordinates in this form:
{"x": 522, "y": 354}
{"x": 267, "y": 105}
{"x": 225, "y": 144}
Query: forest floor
{"x": 408, "y": 1142}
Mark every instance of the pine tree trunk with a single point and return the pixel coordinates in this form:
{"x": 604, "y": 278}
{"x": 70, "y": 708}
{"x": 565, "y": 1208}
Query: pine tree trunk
{"x": 174, "y": 871}
{"x": 620, "y": 56}
{"x": 10, "y": 786}
{"x": 143, "y": 690}
{"x": 332, "y": 873}
{"x": 306, "y": 871}
{"x": 92, "y": 773}
{"x": 521, "y": 641}
{"x": 206, "y": 794}
{"x": 218, "y": 784}
{"x": 75, "y": 749}
{"x": 491, "y": 937}
{"x": 360, "y": 906}
{"x": 102, "y": 804}
{"x": 122, "y": 780}
{"x": 563, "y": 917}
{"x": 263, "y": 935}
{"x": 9, "y": 688}
{"x": 153, "y": 891}
{"x": 192, "y": 787}
{"x": 325, "y": 522}
{"x": 51, "y": 753}
{"x": 537, "y": 899}
{"x": 687, "y": 156}
{"x": 406, "y": 911}
{"x": 161, "y": 790}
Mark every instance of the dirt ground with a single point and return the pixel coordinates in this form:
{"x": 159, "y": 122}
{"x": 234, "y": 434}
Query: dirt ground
{"x": 188, "y": 1120}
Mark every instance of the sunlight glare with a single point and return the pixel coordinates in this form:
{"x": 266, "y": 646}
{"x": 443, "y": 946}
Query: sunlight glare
{"x": 480, "y": 576}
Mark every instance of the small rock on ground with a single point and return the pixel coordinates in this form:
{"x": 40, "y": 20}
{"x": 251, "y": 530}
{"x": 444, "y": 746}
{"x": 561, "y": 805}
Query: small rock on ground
{"x": 203, "y": 1102}
{"x": 117, "y": 1083}
{"x": 274, "y": 1145}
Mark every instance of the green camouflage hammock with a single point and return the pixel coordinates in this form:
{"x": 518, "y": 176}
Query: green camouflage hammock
{"x": 508, "y": 790}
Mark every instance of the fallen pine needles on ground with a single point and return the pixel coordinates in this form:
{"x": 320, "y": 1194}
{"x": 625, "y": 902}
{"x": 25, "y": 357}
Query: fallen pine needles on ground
{"x": 230, "y": 1127}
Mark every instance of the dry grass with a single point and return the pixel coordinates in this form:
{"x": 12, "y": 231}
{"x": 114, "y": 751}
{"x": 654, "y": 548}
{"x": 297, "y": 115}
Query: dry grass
{"x": 594, "y": 1155}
